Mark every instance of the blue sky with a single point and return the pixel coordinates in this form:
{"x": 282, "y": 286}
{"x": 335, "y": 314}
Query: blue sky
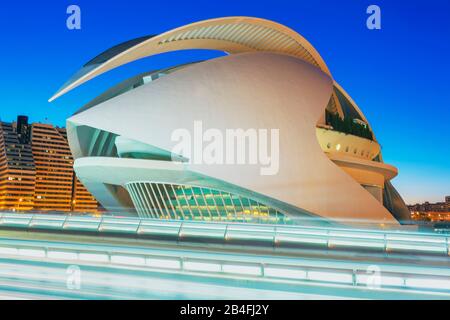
{"x": 398, "y": 75}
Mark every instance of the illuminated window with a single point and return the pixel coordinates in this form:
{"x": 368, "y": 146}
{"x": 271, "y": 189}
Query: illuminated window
{"x": 198, "y": 203}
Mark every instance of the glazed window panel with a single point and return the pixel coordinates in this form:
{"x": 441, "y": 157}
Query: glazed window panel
{"x": 184, "y": 202}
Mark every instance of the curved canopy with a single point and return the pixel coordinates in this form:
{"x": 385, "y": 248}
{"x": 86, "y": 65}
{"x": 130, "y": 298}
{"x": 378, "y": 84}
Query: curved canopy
{"x": 230, "y": 34}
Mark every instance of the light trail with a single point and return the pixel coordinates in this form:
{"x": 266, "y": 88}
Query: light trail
{"x": 117, "y": 267}
{"x": 40, "y": 263}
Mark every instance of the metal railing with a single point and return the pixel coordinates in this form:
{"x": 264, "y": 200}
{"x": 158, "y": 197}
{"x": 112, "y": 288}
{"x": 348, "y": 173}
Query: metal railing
{"x": 277, "y": 236}
{"x": 430, "y": 280}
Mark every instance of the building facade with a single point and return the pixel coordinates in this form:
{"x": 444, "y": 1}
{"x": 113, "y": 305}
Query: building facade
{"x": 330, "y": 163}
{"x": 36, "y": 170}
{"x": 17, "y": 167}
{"x": 438, "y": 211}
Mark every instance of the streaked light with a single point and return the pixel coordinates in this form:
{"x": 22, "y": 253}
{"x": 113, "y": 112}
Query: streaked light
{"x": 417, "y": 239}
{"x": 241, "y": 269}
{"x": 81, "y": 225}
{"x": 96, "y": 257}
{"x": 428, "y": 283}
{"x": 131, "y": 260}
{"x": 351, "y": 234}
{"x": 8, "y": 251}
{"x": 329, "y": 276}
{"x": 396, "y": 281}
{"x": 32, "y": 253}
{"x": 202, "y": 266}
{"x": 162, "y": 263}
{"x": 48, "y": 223}
{"x": 63, "y": 255}
{"x": 15, "y": 221}
{"x": 301, "y": 231}
{"x": 284, "y": 273}
{"x": 380, "y": 279}
{"x": 416, "y": 247}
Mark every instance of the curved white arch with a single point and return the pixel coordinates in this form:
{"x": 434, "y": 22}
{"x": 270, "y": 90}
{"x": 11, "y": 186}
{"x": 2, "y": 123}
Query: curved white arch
{"x": 229, "y": 34}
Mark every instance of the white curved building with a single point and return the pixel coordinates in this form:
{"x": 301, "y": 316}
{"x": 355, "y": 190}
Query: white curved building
{"x": 329, "y": 163}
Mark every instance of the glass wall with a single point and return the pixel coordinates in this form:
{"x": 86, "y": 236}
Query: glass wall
{"x": 183, "y": 202}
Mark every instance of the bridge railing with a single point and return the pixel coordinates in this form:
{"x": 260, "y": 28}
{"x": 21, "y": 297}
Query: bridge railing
{"x": 277, "y": 236}
{"x": 431, "y": 280}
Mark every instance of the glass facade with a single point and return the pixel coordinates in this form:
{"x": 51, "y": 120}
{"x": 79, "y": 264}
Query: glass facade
{"x": 183, "y": 202}
{"x": 347, "y": 107}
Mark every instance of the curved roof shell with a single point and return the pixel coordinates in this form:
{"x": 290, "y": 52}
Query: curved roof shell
{"x": 230, "y": 34}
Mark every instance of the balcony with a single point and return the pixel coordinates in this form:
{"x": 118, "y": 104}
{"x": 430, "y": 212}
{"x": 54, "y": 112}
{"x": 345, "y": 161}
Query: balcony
{"x": 335, "y": 142}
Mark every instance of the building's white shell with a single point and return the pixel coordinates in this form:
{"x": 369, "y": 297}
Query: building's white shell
{"x": 250, "y": 90}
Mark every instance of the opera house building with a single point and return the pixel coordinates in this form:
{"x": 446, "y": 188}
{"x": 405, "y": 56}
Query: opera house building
{"x": 330, "y": 166}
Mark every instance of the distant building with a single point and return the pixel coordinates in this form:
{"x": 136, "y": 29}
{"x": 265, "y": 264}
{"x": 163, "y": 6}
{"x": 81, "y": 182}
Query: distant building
{"x": 439, "y": 211}
{"x": 36, "y": 170}
{"x": 427, "y": 206}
